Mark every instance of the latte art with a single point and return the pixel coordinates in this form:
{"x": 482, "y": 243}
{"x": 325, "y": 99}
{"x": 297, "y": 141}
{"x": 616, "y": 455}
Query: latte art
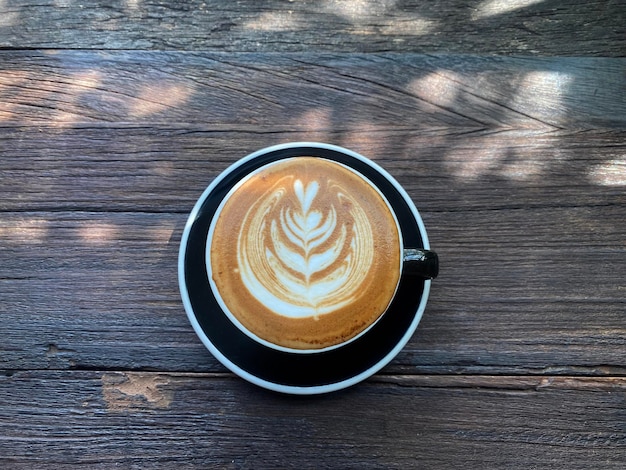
{"x": 304, "y": 254}
{"x": 296, "y": 257}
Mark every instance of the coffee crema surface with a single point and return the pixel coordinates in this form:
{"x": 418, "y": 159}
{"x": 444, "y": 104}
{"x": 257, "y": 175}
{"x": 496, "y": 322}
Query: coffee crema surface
{"x": 305, "y": 253}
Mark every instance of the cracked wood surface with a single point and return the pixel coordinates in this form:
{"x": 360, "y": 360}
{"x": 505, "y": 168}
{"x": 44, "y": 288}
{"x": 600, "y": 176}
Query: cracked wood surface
{"x": 162, "y": 420}
{"x": 328, "y": 91}
{"x": 529, "y": 27}
{"x": 516, "y": 163}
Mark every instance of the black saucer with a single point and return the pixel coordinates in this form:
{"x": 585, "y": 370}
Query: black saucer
{"x": 299, "y": 373}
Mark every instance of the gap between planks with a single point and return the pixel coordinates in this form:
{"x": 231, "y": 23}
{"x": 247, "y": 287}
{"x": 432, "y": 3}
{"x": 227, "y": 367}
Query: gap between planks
{"x": 453, "y": 381}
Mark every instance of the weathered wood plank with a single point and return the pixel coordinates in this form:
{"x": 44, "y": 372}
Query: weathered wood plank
{"x": 336, "y": 91}
{"x": 104, "y": 419}
{"x": 478, "y": 26}
{"x": 520, "y": 290}
{"x": 165, "y": 169}
{"x": 511, "y": 169}
{"x": 516, "y": 163}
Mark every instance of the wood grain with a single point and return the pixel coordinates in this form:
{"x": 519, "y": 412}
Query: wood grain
{"x": 529, "y": 27}
{"x": 165, "y": 169}
{"x": 520, "y": 290}
{"x": 321, "y": 91}
{"x": 522, "y": 194}
{"x": 505, "y": 122}
{"x": 100, "y": 419}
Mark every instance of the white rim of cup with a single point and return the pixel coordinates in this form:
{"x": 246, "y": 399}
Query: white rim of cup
{"x": 290, "y": 389}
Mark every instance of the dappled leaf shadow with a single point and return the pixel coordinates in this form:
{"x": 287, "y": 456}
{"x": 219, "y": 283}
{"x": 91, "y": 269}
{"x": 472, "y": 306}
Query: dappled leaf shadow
{"x": 543, "y": 27}
{"x": 511, "y": 160}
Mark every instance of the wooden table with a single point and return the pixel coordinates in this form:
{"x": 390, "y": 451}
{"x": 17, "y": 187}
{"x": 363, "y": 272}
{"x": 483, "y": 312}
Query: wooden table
{"x": 506, "y": 123}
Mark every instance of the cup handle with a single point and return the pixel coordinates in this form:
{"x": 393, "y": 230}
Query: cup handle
{"x": 422, "y": 263}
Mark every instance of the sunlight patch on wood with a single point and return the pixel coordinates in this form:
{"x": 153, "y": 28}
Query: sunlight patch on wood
{"x": 157, "y": 97}
{"x": 274, "y": 21}
{"x": 540, "y": 93}
{"x": 438, "y": 88}
{"x": 408, "y": 27}
{"x": 164, "y": 168}
{"x": 23, "y": 232}
{"x": 484, "y": 158}
{"x": 161, "y": 235}
{"x": 367, "y": 139}
{"x": 521, "y": 169}
{"x": 317, "y": 122}
{"x": 355, "y": 10}
{"x": 132, "y": 4}
{"x": 80, "y": 84}
{"x": 98, "y": 233}
{"x": 490, "y": 8}
{"x": 510, "y": 155}
{"x": 611, "y": 173}
{"x": 7, "y": 18}
{"x": 10, "y": 81}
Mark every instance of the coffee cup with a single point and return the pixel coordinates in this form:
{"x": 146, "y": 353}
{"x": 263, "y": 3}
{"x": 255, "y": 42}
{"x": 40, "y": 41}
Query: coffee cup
{"x": 301, "y": 254}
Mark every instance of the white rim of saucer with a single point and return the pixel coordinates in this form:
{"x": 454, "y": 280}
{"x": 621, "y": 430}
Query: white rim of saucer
{"x": 290, "y": 389}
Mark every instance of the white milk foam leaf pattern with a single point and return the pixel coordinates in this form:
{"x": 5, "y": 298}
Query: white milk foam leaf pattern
{"x": 308, "y": 262}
